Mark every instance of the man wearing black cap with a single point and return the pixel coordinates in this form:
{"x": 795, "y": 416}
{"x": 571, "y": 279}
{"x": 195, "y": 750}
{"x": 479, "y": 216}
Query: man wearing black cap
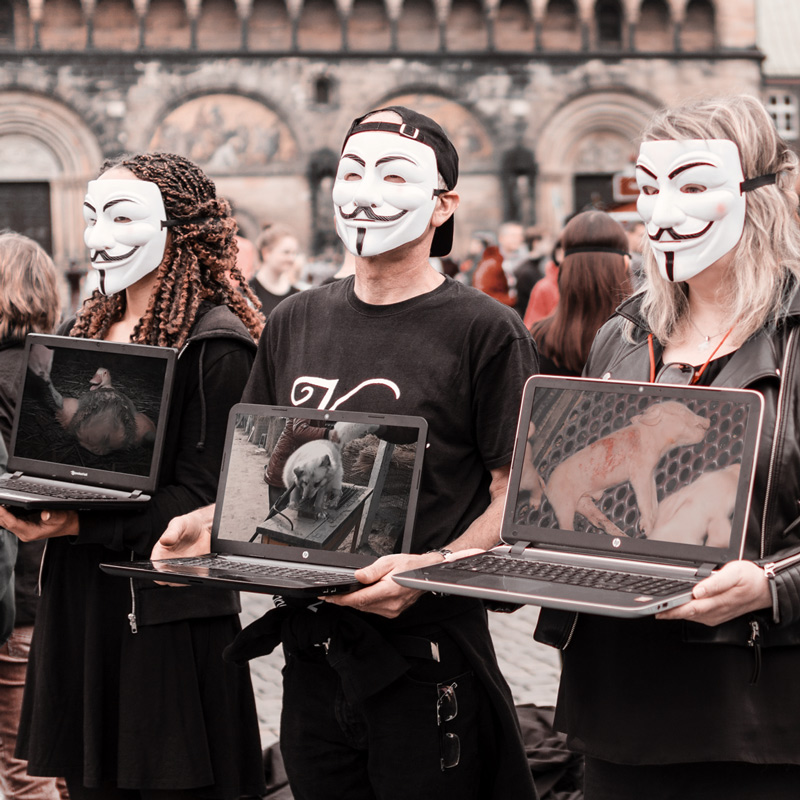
{"x": 389, "y": 693}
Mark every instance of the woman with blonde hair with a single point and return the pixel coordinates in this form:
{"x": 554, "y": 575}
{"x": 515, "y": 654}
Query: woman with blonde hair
{"x": 275, "y": 279}
{"x": 29, "y": 303}
{"x": 701, "y": 701}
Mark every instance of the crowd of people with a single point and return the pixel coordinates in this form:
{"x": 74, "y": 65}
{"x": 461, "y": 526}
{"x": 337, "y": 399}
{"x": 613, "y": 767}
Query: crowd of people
{"x": 114, "y": 688}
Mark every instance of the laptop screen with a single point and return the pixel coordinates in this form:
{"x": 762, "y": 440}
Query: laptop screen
{"x": 92, "y": 411}
{"x": 634, "y": 468}
{"x": 338, "y": 483}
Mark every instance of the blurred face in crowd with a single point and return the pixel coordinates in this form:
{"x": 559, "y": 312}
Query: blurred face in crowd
{"x": 282, "y": 257}
{"x": 384, "y": 193}
{"x": 124, "y": 235}
{"x": 510, "y": 237}
{"x": 691, "y": 202}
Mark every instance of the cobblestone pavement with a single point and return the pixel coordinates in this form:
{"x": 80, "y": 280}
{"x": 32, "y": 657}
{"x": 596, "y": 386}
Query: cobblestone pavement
{"x": 531, "y": 669}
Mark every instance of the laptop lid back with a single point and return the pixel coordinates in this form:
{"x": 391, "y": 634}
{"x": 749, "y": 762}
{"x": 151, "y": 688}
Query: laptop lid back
{"x": 92, "y": 412}
{"x": 642, "y": 471}
{"x": 356, "y": 481}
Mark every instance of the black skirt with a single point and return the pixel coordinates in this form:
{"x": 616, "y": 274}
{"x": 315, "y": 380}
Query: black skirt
{"x": 158, "y": 709}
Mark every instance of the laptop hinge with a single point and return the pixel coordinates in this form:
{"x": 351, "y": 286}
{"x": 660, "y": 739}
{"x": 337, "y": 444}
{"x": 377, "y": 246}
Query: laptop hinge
{"x": 15, "y": 475}
{"x": 704, "y": 570}
{"x": 518, "y": 549}
{"x": 136, "y": 493}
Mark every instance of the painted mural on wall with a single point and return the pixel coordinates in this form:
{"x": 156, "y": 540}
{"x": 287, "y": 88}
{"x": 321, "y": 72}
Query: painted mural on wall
{"x": 226, "y": 134}
{"x": 465, "y": 131}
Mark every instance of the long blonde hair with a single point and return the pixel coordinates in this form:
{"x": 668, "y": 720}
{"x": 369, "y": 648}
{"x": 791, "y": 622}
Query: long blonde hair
{"x": 29, "y": 290}
{"x": 766, "y": 261}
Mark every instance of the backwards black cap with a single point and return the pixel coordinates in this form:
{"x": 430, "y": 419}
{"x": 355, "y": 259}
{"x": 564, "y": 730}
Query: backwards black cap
{"x": 423, "y": 129}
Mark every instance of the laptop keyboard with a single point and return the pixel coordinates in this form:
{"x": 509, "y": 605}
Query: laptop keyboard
{"x": 487, "y": 563}
{"x": 310, "y": 576}
{"x": 49, "y": 490}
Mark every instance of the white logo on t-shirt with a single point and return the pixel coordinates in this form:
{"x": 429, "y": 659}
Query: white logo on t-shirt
{"x": 304, "y": 386}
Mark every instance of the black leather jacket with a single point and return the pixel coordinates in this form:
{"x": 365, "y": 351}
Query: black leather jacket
{"x": 761, "y": 364}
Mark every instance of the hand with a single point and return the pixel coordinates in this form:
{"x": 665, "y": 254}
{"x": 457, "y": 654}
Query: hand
{"x": 187, "y": 535}
{"x": 48, "y": 525}
{"x": 736, "y": 589}
{"x": 382, "y": 595}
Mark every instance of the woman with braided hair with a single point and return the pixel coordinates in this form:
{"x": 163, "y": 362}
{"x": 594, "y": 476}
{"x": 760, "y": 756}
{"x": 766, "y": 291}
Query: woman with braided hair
{"x": 127, "y": 692}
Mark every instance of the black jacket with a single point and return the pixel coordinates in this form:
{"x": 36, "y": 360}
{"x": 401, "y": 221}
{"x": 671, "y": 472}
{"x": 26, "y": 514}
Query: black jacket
{"x": 651, "y": 691}
{"x": 211, "y": 371}
{"x": 771, "y": 538}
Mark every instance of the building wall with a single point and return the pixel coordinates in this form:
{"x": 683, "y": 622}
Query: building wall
{"x": 260, "y": 93}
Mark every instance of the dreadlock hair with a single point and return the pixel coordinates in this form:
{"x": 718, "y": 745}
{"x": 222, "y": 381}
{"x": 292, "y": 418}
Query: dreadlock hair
{"x": 199, "y": 261}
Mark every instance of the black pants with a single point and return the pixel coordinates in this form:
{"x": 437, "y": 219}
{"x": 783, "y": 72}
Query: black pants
{"x": 390, "y": 747}
{"x": 703, "y": 781}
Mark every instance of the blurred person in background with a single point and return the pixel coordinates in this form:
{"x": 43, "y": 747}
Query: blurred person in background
{"x": 29, "y": 303}
{"x": 544, "y": 295}
{"x": 496, "y": 272}
{"x": 593, "y": 280}
{"x": 277, "y": 276}
{"x": 477, "y": 245}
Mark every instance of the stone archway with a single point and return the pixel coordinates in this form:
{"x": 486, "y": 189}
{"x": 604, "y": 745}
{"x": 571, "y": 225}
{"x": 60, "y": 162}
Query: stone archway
{"x": 42, "y": 140}
{"x": 597, "y": 132}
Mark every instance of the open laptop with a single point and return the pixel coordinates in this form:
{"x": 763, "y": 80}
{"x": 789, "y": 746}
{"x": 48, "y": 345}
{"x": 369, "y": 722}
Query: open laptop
{"x": 89, "y": 424}
{"x": 305, "y": 498}
{"x": 621, "y": 497}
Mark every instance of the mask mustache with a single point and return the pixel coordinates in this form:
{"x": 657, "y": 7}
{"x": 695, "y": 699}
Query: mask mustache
{"x": 371, "y": 215}
{"x": 678, "y": 237}
{"x": 102, "y": 255}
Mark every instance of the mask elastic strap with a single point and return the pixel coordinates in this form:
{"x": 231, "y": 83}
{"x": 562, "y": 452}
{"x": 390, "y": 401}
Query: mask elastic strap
{"x": 174, "y": 223}
{"x": 756, "y": 183}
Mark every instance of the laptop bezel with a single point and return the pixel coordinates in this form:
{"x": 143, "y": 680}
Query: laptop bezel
{"x": 645, "y": 550}
{"x": 92, "y": 476}
{"x": 295, "y": 553}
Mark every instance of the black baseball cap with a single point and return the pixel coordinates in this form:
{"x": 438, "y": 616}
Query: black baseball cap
{"x": 423, "y": 129}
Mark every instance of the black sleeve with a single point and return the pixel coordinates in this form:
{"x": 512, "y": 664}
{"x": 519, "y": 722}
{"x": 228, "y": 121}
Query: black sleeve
{"x": 198, "y": 457}
{"x": 498, "y": 394}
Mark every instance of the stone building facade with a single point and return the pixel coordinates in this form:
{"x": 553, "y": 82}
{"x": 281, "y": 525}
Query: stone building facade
{"x": 543, "y": 98}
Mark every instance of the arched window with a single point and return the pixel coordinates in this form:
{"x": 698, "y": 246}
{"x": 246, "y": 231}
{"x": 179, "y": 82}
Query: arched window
{"x": 513, "y": 26}
{"x": 654, "y": 31}
{"x": 608, "y": 22}
{"x": 698, "y": 26}
{"x": 219, "y": 26}
{"x": 320, "y": 27}
{"x": 561, "y": 28}
{"x": 321, "y": 173}
{"x": 418, "y": 28}
{"x": 368, "y": 26}
{"x": 324, "y": 89}
{"x": 466, "y": 26}
{"x": 269, "y": 26}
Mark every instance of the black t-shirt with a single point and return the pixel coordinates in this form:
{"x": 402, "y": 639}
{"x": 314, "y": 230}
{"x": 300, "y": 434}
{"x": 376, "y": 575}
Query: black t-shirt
{"x": 453, "y": 356}
{"x": 267, "y": 299}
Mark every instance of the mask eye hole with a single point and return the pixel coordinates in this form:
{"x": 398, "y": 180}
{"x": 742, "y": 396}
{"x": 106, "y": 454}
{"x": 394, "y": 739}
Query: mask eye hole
{"x": 352, "y": 176}
{"x": 693, "y": 188}
{"x": 122, "y": 219}
{"x": 649, "y": 190}
{"x": 394, "y": 179}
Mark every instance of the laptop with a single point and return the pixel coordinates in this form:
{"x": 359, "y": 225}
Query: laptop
{"x": 305, "y": 498}
{"x": 621, "y": 497}
{"x": 89, "y": 424}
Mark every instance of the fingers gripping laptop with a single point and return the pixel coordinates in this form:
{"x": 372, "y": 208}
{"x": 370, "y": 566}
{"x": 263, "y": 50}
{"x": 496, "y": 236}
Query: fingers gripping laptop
{"x": 304, "y": 501}
{"x": 621, "y": 497}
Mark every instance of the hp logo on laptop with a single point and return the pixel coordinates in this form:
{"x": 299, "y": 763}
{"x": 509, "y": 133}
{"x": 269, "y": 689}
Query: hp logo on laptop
{"x": 616, "y": 542}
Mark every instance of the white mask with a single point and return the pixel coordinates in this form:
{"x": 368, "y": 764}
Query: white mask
{"x": 384, "y": 193}
{"x": 691, "y": 201}
{"x": 124, "y": 234}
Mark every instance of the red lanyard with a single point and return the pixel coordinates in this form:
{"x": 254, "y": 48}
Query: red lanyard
{"x": 696, "y": 377}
